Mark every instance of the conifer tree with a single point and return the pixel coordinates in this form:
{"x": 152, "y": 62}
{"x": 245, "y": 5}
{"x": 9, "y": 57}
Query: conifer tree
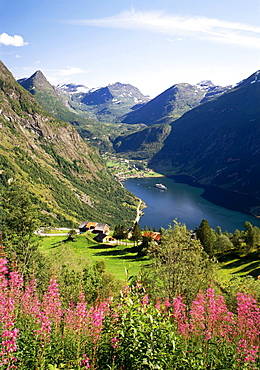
{"x": 252, "y": 235}
{"x": 119, "y": 232}
{"x": 206, "y": 236}
{"x": 136, "y": 233}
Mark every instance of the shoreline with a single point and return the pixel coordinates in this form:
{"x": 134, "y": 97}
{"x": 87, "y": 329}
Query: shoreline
{"x": 228, "y": 199}
{"x": 139, "y": 212}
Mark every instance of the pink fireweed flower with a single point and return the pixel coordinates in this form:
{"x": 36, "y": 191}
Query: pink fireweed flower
{"x": 247, "y": 353}
{"x": 219, "y": 321}
{"x": 70, "y": 318}
{"x": 3, "y": 266}
{"x": 15, "y": 285}
{"x": 15, "y": 280}
{"x": 158, "y": 304}
{"x": 7, "y": 319}
{"x": 197, "y": 314}
{"x": 248, "y": 318}
{"x": 97, "y": 318}
{"x": 167, "y": 303}
{"x": 80, "y": 313}
{"x": 44, "y": 332}
{"x": 30, "y": 304}
{"x": 145, "y": 300}
{"x": 114, "y": 342}
{"x": 248, "y": 327}
{"x": 51, "y": 303}
{"x": 97, "y": 315}
{"x": 3, "y": 272}
{"x": 8, "y": 345}
{"x": 85, "y": 362}
{"x": 180, "y": 317}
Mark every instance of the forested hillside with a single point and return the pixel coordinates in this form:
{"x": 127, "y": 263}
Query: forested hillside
{"x": 65, "y": 176}
{"x": 142, "y": 144}
{"x": 218, "y": 142}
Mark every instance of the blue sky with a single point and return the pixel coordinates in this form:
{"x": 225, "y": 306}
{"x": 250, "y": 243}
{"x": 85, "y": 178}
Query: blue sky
{"x": 151, "y": 44}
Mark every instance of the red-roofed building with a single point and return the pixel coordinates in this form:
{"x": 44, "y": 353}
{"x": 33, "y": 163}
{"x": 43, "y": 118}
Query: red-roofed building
{"x": 153, "y": 235}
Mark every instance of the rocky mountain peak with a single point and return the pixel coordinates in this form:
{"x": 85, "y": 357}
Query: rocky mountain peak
{"x": 205, "y": 85}
{"x": 37, "y": 80}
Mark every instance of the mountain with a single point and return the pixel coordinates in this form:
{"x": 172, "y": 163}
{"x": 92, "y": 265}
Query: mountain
{"x": 174, "y": 102}
{"x": 143, "y": 144}
{"x": 54, "y": 100}
{"x": 111, "y": 102}
{"x": 217, "y": 142}
{"x": 58, "y": 102}
{"x": 66, "y": 177}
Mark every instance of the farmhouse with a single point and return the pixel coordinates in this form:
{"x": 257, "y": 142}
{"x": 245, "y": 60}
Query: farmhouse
{"x": 103, "y": 238}
{"x": 95, "y": 227}
{"x": 153, "y": 235}
{"x": 101, "y": 228}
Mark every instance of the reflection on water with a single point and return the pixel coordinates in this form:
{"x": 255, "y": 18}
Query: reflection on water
{"x": 187, "y": 204}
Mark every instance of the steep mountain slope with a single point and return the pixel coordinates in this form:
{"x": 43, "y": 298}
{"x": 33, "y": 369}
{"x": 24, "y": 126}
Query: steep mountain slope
{"x": 174, "y": 102}
{"x": 142, "y": 144}
{"x": 218, "y": 142}
{"x": 50, "y": 98}
{"x": 55, "y": 100}
{"x": 66, "y": 177}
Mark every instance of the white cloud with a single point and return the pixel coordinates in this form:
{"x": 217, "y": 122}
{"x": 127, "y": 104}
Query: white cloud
{"x": 196, "y": 27}
{"x": 56, "y": 76}
{"x": 15, "y": 40}
{"x": 69, "y": 71}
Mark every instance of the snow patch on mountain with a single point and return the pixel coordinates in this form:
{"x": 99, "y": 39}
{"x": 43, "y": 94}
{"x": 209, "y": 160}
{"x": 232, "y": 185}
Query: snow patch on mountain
{"x": 72, "y": 88}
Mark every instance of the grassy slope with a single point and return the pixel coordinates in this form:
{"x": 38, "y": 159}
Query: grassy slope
{"x": 235, "y": 265}
{"x": 84, "y": 249}
{"x": 77, "y": 254}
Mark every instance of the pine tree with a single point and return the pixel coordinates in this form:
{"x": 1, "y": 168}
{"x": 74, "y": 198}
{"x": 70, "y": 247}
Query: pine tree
{"x": 119, "y": 232}
{"x": 136, "y": 233}
{"x": 252, "y": 235}
{"x": 206, "y": 236}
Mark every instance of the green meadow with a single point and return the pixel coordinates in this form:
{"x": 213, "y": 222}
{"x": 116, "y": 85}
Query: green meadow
{"x": 123, "y": 262}
{"x": 234, "y": 264}
{"x": 77, "y": 254}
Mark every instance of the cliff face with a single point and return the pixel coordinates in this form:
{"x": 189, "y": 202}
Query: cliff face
{"x": 67, "y": 178}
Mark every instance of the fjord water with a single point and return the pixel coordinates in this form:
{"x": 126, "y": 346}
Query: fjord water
{"x": 187, "y": 204}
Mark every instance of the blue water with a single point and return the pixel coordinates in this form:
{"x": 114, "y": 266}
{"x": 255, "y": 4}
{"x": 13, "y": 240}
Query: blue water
{"x": 186, "y": 203}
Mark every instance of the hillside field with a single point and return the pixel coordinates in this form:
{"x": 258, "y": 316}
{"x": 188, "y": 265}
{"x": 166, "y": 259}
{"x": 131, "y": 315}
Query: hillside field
{"x": 77, "y": 254}
{"x": 122, "y": 264}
